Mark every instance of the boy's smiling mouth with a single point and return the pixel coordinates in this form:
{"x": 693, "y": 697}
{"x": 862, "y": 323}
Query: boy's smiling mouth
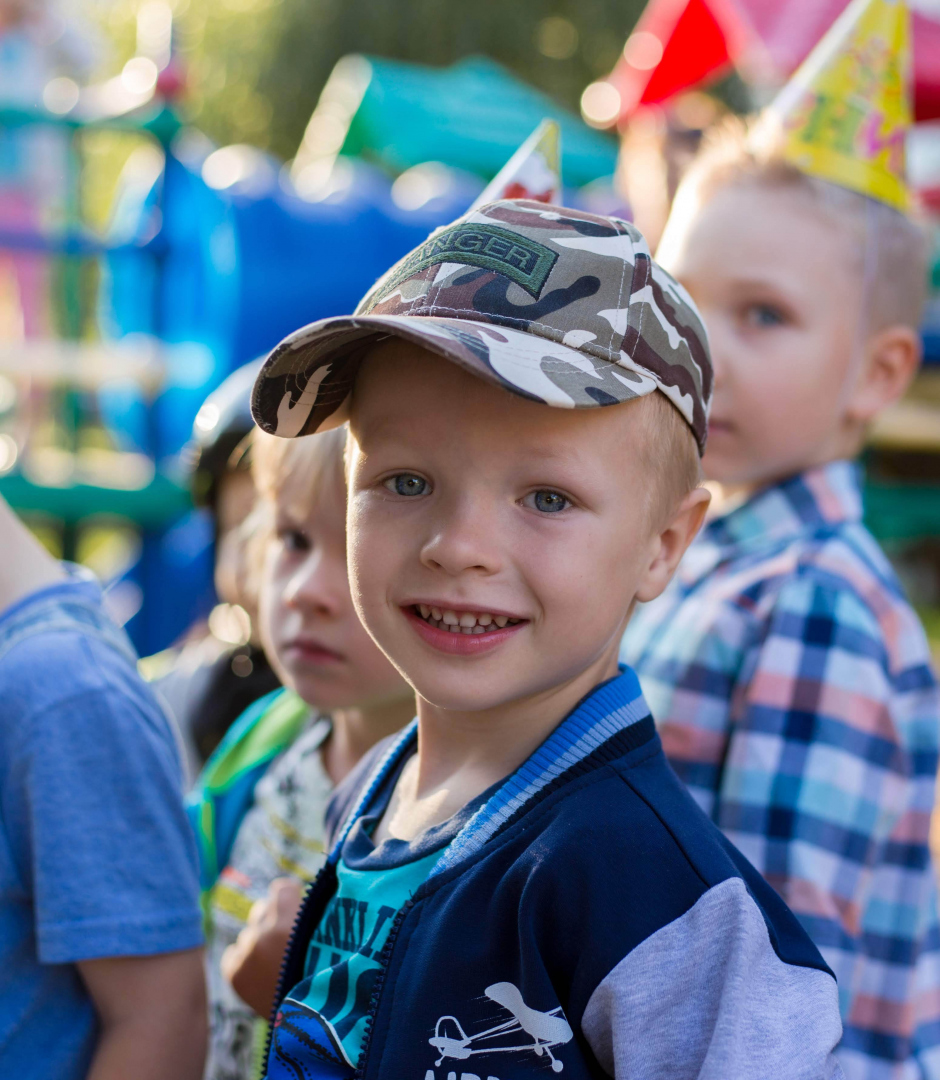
{"x": 457, "y": 630}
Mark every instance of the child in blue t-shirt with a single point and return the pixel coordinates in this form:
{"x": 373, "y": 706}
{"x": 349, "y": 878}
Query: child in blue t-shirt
{"x": 100, "y": 929}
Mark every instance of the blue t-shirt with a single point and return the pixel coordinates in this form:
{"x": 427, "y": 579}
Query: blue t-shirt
{"x": 96, "y": 855}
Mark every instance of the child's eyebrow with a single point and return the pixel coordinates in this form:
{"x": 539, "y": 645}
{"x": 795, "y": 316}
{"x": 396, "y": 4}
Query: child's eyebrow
{"x": 382, "y": 430}
{"x": 385, "y": 438}
{"x": 548, "y": 453}
{"x": 392, "y": 438}
{"x": 764, "y": 285}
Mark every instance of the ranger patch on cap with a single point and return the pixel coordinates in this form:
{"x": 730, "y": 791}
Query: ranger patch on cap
{"x": 524, "y": 261}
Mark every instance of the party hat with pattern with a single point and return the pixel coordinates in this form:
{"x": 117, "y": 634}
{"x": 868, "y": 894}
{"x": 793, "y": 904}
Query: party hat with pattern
{"x": 533, "y": 171}
{"x": 844, "y": 115}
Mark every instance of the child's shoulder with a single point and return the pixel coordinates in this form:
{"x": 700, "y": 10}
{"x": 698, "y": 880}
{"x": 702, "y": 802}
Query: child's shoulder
{"x": 841, "y": 588}
{"x": 831, "y": 581}
{"x": 627, "y": 827}
{"x": 59, "y": 649}
{"x": 624, "y": 853}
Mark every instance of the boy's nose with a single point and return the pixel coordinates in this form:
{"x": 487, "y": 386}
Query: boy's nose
{"x": 719, "y": 370}
{"x": 463, "y": 540}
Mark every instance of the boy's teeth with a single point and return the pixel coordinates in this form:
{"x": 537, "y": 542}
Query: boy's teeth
{"x": 467, "y": 622}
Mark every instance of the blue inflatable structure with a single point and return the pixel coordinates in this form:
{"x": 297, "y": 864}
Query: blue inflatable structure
{"x": 219, "y": 276}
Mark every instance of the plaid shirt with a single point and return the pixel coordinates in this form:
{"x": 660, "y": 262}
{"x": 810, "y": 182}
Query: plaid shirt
{"x": 792, "y": 685}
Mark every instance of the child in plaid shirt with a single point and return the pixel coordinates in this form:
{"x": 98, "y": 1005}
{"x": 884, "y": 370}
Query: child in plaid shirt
{"x": 790, "y": 677}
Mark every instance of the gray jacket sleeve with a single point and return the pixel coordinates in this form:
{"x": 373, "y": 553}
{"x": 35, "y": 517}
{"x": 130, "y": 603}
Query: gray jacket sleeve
{"x": 707, "y": 998}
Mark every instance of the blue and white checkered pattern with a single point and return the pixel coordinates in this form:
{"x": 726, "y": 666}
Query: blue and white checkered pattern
{"x": 792, "y": 687}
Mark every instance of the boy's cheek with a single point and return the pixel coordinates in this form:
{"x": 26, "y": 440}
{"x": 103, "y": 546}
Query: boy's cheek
{"x": 380, "y": 536}
{"x": 362, "y": 550}
{"x": 370, "y": 580}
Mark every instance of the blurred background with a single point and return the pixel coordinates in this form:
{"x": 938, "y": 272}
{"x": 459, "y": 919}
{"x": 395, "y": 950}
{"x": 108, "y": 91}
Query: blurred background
{"x": 181, "y": 184}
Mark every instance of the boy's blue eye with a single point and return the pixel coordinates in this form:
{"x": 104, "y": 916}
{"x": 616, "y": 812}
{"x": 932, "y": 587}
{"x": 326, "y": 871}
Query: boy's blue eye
{"x": 295, "y": 540}
{"x": 549, "y": 502}
{"x": 766, "y": 315}
{"x": 407, "y": 484}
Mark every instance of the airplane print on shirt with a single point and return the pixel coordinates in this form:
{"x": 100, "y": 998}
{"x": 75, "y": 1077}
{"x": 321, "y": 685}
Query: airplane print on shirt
{"x": 527, "y": 1031}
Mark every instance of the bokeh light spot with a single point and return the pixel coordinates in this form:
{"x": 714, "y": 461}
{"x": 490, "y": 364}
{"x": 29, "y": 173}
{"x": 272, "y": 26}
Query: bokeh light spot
{"x": 643, "y": 50}
{"x": 139, "y": 75}
{"x": 556, "y": 37}
{"x": 600, "y": 104}
{"x": 60, "y": 95}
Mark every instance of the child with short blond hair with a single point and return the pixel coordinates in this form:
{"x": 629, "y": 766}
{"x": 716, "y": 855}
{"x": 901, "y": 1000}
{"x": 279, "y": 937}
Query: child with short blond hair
{"x": 789, "y": 675}
{"x": 260, "y": 803}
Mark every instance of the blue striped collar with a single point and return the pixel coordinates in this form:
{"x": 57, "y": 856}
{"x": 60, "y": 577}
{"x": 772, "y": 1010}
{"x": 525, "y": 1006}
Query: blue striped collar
{"x": 607, "y": 710}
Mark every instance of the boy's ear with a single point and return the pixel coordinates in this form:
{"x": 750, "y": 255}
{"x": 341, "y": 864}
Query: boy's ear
{"x": 893, "y": 357}
{"x": 671, "y": 542}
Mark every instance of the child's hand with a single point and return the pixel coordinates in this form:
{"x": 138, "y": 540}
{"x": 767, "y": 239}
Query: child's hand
{"x": 252, "y": 964}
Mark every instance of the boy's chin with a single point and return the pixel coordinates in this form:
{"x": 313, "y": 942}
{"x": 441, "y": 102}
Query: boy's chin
{"x": 721, "y": 468}
{"x": 322, "y": 694}
{"x": 731, "y": 470}
{"x": 752, "y": 475}
{"x": 457, "y": 699}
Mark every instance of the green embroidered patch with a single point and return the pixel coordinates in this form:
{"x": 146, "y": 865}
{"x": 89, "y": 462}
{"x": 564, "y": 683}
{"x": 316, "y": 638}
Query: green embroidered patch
{"x": 524, "y": 261}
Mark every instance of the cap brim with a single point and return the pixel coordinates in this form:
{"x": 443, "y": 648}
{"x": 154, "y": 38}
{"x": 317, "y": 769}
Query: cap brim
{"x": 308, "y": 377}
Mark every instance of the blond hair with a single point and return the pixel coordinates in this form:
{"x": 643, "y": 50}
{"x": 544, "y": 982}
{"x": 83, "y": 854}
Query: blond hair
{"x": 670, "y": 455}
{"x": 289, "y": 474}
{"x": 294, "y": 472}
{"x": 888, "y": 249}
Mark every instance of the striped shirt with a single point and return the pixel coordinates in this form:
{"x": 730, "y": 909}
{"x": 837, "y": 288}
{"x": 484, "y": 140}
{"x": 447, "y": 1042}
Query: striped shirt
{"x": 792, "y": 686}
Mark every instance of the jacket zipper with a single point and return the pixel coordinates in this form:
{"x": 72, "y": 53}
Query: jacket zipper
{"x": 281, "y": 992}
{"x": 383, "y": 960}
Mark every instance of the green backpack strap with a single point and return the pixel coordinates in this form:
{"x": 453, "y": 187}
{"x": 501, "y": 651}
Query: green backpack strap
{"x": 224, "y": 792}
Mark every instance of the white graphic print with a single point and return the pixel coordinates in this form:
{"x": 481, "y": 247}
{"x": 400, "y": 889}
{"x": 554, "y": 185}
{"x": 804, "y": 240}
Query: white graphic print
{"x": 290, "y": 417}
{"x": 545, "y": 1029}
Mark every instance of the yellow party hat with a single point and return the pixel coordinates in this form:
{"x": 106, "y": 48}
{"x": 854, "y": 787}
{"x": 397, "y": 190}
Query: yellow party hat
{"x": 533, "y": 171}
{"x": 845, "y": 113}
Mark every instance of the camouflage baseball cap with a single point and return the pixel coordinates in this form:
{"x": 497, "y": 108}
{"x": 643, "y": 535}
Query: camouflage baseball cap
{"x": 556, "y": 305}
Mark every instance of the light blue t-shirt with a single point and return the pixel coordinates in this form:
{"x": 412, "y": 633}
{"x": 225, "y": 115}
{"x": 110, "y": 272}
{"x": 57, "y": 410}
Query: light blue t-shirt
{"x": 96, "y": 855}
{"x": 342, "y": 961}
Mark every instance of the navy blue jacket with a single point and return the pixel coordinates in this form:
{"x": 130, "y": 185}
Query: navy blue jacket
{"x": 588, "y": 920}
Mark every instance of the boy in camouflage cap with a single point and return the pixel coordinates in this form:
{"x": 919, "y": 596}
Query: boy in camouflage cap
{"x": 518, "y": 881}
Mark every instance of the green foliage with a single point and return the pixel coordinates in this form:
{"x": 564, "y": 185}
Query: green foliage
{"x": 256, "y": 67}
